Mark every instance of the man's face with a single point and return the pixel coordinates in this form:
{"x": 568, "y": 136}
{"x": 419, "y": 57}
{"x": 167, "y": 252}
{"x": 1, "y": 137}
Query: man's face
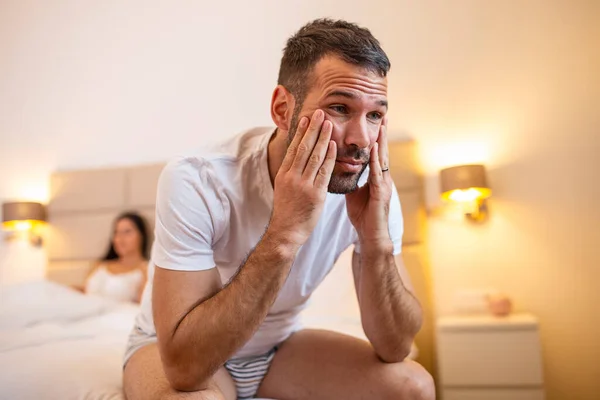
{"x": 355, "y": 101}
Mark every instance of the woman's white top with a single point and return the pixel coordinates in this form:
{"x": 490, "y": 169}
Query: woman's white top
{"x": 121, "y": 287}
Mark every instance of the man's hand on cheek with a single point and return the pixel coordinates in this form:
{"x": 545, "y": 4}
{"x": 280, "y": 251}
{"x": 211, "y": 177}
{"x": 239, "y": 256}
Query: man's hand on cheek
{"x": 302, "y": 180}
{"x": 368, "y": 206}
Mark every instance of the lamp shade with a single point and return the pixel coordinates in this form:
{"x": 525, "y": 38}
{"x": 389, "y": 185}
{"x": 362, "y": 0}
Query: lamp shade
{"x": 22, "y": 215}
{"x": 464, "y": 183}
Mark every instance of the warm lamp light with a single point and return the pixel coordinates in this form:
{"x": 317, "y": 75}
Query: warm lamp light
{"x": 467, "y": 184}
{"x": 24, "y": 217}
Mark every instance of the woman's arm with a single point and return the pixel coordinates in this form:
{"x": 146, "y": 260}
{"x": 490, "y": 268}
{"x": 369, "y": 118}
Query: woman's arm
{"x": 144, "y": 269}
{"x": 91, "y": 272}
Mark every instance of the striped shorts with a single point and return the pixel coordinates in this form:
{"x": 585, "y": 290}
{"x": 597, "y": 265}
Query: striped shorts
{"x": 248, "y": 373}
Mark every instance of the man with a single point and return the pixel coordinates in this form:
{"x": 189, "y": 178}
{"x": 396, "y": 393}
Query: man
{"x": 244, "y": 235}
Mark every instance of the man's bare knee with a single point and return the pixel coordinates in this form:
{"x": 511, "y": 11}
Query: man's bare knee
{"x": 409, "y": 381}
{"x": 144, "y": 379}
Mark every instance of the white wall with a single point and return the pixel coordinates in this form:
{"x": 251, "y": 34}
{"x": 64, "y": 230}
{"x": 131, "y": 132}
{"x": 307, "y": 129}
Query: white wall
{"x": 509, "y": 83}
{"x": 91, "y": 84}
{"x": 518, "y": 87}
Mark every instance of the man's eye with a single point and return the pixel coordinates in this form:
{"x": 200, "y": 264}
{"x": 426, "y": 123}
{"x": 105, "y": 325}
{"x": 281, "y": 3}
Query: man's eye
{"x": 375, "y": 116}
{"x": 339, "y": 109}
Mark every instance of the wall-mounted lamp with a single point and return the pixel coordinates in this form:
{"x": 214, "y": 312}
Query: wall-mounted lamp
{"x": 467, "y": 184}
{"x": 24, "y": 217}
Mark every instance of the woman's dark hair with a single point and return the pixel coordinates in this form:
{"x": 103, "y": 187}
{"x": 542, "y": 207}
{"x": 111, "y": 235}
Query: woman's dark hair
{"x": 141, "y": 226}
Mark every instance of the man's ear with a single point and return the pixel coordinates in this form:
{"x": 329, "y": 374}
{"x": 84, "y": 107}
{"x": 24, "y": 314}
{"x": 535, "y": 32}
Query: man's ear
{"x": 282, "y": 107}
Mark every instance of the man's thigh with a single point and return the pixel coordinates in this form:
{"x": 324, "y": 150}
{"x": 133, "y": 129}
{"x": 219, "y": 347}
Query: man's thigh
{"x": 144, "y": 379}
{"x": 316, "y": 364}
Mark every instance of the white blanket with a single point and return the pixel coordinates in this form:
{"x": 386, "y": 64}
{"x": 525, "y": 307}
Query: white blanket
{"x": 56, "y": 343}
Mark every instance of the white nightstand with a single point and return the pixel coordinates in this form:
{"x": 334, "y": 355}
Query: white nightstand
{"x": 489, "y": 358}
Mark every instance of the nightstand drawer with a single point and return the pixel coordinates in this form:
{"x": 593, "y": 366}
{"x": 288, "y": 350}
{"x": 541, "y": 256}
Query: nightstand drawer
{"x": 490, "y": 358}
{"x": 493, "y": 394}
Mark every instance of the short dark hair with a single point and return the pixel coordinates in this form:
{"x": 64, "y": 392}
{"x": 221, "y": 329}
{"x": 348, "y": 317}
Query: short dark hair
{"x": 321, "y": 37}
{"x": 141, "y": 226}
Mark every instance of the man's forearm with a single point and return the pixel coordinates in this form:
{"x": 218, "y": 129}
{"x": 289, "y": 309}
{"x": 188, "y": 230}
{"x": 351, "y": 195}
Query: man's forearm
{"x": 217, "y": 327}
{"x": 390, "y": 313}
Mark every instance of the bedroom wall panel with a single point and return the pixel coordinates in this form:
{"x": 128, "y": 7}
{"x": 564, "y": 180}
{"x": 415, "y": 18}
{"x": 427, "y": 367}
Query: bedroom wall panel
{"x": 141, "y": 185}
{"x": 70, "y": 273}
{"x": 90, "y": 190}
{"x": 79, "y": 235}
{"x": 414, "y": 215}
{"x": 404, "y": 167}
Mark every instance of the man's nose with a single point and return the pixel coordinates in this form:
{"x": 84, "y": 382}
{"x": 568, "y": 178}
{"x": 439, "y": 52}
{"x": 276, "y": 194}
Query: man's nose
{"x": 357, "y": 133}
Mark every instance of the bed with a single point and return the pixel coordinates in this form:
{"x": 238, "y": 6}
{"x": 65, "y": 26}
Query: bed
{"x": 57, "y": 343}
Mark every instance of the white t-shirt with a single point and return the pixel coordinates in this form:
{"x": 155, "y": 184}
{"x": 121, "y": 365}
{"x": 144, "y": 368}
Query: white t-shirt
{"x": 212, "y": 210}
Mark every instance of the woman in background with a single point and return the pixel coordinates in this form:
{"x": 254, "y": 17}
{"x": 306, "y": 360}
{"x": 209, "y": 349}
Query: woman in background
{"x": 121, "y": 274}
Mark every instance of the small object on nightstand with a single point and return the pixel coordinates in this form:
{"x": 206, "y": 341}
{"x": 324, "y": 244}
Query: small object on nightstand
{"x": 499, "y": 304}
{"x": 490, "y": 358}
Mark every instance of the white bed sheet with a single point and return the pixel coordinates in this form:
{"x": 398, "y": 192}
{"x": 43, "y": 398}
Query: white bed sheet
{"x": 56, "y": 343}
